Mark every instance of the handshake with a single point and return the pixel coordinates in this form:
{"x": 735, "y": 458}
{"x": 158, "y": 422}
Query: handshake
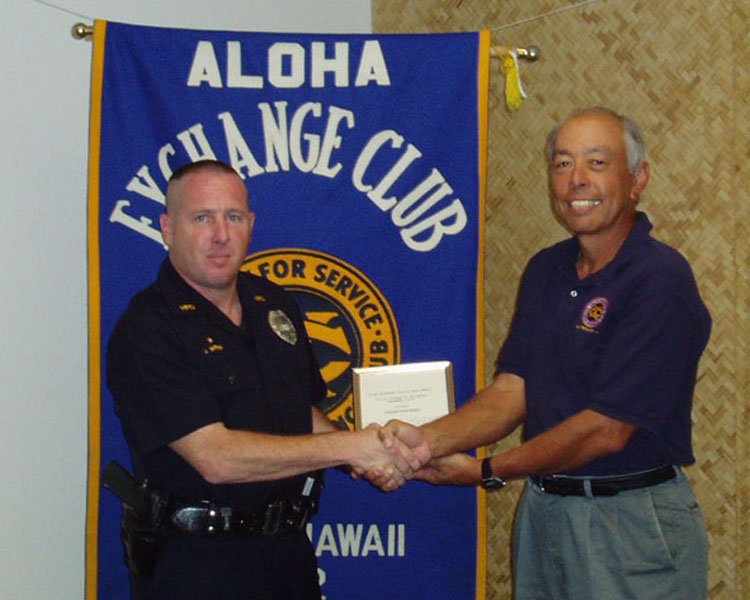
{"x": 391, "y": 455}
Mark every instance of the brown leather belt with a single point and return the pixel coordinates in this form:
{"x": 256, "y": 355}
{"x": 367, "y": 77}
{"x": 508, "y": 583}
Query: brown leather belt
{"x": 563, "y": 485}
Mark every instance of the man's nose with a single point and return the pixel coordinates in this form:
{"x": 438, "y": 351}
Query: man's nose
{"x": 220, "y": 231}
{"x": 578, "y": 176}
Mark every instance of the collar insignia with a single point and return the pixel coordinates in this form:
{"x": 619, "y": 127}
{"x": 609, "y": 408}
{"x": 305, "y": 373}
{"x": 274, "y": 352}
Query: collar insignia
{"x": 212, "y": 346}
{"x": 282, "y": 326}
{"x": 260, "y": 299}
{"x": 187, "y": 307}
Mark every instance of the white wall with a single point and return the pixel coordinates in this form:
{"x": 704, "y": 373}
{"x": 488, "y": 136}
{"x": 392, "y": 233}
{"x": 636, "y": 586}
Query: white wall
{"x": 43, "y": 330}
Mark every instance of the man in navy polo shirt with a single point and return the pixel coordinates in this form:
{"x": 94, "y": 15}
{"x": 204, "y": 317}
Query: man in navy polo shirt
{"x": 599, "y": 367}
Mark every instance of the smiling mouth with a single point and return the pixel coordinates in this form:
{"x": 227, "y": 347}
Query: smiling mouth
{"x": 584, "y": 204}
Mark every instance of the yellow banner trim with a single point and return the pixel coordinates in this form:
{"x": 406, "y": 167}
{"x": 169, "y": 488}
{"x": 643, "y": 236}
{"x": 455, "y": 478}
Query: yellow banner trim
{"x": 94, "y": 306}
{"x": 485, "y": 43}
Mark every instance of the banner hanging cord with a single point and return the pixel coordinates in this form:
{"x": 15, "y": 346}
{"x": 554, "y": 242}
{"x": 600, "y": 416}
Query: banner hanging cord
{"x": 63, "y": 9}
{"x": 82, "y": 31}
{"x": 544, "y": 15}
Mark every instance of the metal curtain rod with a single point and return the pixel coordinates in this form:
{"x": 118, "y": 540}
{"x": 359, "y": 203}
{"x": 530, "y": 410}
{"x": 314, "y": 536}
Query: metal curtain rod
{"x": 531, "y": 53}
{"x": 82, "y": 31}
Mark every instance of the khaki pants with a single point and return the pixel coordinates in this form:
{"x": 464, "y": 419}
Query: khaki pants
{"x": 643, "y": 544}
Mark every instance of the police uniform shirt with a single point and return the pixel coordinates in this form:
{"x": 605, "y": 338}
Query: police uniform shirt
{"x": 624, "y": 342}
{"x": 176, "y": 363}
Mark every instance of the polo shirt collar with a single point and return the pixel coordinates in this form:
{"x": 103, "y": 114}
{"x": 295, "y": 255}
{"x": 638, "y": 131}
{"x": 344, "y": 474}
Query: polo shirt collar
{"x": 640, "y": 233}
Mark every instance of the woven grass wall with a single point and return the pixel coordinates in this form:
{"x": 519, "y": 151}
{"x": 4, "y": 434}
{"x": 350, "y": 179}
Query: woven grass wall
{"x": 680, "y": 69}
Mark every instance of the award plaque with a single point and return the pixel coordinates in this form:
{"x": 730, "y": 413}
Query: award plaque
{"x": 415, "y": 393}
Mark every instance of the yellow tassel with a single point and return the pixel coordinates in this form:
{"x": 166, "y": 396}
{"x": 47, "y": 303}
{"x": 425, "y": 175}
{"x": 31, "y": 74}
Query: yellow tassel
{"x": 514, "y": 92}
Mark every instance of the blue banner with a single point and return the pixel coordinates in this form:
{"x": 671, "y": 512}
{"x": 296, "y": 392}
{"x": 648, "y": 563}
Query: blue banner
{"x": 364, "y": 159}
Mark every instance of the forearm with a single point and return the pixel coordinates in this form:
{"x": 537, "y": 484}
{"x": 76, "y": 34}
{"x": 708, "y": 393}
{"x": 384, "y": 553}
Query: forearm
{"x": 489, "y": 416}
{"x": 573, "y": 443}
{"x": 224, "y": 455}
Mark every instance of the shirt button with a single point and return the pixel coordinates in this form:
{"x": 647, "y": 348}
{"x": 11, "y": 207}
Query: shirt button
{"x": 573, "y": 293}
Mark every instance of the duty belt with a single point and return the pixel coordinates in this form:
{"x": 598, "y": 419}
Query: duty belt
{"x": 563, "y": 485}
{"x": 206, "y": 518}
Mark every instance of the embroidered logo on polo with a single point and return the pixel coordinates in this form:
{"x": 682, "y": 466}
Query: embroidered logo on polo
{"x": 594, "y": 312}
{"x": 348, "y": 320}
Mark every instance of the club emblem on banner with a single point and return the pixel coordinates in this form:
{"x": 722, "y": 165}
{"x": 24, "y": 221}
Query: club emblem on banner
{"x": 348, "y": 319}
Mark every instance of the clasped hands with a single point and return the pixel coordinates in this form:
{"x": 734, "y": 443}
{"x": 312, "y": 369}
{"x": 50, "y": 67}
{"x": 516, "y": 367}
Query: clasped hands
{"x": 391, "y": 455}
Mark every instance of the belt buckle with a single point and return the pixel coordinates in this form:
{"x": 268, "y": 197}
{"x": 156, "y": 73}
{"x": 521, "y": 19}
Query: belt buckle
{"x": 213, "y": 518}
{"x": 203, "y": 518}
{"x": 272, "y": 518}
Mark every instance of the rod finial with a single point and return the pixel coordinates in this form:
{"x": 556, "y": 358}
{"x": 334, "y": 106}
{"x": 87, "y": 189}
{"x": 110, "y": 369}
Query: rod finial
{"x": 81, "y": 31}
{"x": 532, "y": 53}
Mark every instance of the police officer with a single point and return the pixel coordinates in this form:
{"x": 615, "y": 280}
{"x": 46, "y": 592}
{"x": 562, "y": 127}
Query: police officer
{"x": 215, "y": 384}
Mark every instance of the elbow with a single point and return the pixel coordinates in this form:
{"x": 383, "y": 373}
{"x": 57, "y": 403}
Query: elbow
{"x": 615, "y": 436}
{"x": 213, "y": 471}
{"x": 207, "y": 450}
{"x": 209, "y": 462}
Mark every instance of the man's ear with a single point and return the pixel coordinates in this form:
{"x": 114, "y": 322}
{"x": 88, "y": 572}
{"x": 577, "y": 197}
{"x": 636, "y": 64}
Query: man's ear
{"x": 165, "y": 222}
{"x": 641, "y": 177}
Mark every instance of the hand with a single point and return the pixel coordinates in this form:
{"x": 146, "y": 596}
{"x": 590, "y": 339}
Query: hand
{"x": 411, "y": 436}
{"x": 406, "y": 442}
{"x": 453, "y": 469}
{"x": 387, "y": 466}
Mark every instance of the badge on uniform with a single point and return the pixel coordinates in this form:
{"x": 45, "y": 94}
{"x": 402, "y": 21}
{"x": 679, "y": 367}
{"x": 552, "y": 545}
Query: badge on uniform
{"x": 282, "y": 326}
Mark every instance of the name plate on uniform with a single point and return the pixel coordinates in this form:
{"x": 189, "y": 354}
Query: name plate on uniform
{"x": 415, "y": 393}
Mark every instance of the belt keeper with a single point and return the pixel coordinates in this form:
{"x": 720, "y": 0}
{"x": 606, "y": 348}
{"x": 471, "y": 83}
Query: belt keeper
{"x": 300, "y": 511}
{"x": 273, "y": 518}
{"x": 226, "y": 516}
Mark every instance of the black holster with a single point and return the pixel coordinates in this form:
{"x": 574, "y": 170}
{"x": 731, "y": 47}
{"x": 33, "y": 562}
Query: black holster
{"x": 143, "y": 518}
{"x": 142, "y": 541}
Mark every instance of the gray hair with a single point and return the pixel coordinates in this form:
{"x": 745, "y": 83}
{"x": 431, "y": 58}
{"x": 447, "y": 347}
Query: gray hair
{"x": 633, "y": 137}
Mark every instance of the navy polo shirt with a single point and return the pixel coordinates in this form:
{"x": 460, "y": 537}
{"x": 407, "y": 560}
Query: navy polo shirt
{"x": 625, "y": 342}
{"x": 176, "y": 363}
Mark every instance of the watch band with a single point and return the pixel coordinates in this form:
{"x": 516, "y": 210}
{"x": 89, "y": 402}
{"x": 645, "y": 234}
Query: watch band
{"x": 490, "y": 481}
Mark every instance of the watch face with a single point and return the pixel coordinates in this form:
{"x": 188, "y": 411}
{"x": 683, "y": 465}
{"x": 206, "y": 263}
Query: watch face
{"x": 493, "y": 483}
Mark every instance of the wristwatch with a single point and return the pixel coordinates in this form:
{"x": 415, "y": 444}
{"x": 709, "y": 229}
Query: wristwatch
{"x": 489, "y": 480}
